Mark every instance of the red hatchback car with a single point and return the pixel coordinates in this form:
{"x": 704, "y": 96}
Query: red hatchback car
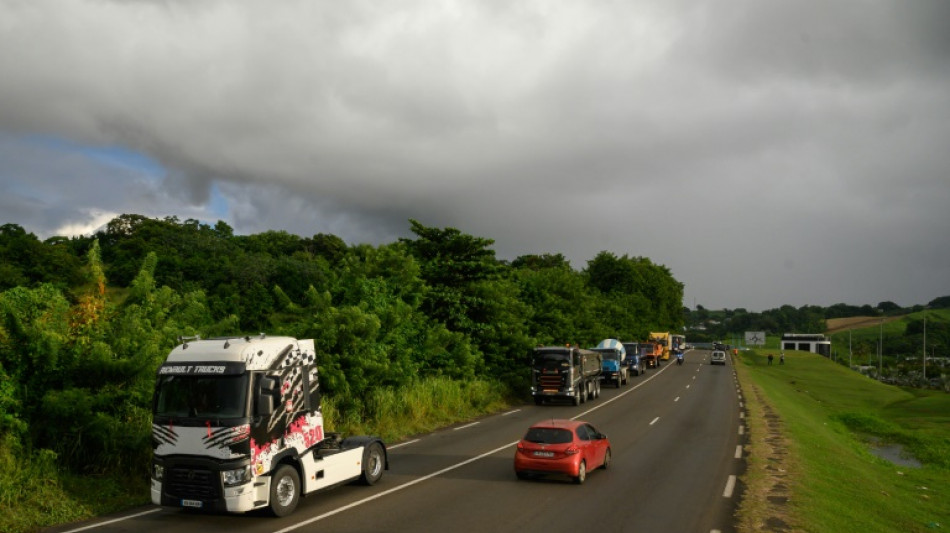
{"x": 568, "y": 447}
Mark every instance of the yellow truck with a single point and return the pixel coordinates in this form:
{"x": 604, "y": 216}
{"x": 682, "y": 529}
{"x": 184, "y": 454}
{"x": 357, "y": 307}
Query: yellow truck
{"x": 664, "y": 340}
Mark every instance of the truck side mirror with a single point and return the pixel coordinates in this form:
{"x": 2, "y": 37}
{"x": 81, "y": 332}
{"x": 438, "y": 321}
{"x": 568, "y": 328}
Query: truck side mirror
{"x": 265, "y": 396}
{"x": 265, "y": 404}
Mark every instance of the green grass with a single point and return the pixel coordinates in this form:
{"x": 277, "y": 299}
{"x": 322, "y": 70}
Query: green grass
{"x": 830, "y": 414}
{"x": 36, "y": 493}
{"x": 395, "y": 414}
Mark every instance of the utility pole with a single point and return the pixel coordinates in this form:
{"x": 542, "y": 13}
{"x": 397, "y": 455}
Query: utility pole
{"x": 925, "y": 349}
{"x": 849, "y": 349}
{"x": 880, "y": 353}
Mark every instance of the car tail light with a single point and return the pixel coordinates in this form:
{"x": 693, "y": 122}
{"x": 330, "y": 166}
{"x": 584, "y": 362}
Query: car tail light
{"x": 571, "y": 451}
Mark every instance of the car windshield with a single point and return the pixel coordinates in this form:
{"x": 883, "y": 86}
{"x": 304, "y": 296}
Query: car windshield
{"x": 548, "y": 436}
{"x": 201, "y": 396}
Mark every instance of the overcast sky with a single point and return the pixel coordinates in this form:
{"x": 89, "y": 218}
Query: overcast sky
{"x": 767, "y": 152}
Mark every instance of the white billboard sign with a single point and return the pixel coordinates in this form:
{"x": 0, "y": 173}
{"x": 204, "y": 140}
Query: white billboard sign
{"x": 755, "y": 338}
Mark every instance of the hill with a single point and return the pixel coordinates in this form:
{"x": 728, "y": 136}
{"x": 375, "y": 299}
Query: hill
{"x": 834, "y": 325}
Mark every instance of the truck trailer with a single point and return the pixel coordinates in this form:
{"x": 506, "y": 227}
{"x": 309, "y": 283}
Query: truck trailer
{"x": 237, "y": 426}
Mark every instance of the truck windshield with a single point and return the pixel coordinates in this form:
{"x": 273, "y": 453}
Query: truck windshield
{"x": 201, "y": 396}
{"x": 610, "y": 355}
{"x": 552, "y": 359}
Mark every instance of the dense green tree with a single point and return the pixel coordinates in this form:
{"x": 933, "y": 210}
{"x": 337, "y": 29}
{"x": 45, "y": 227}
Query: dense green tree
{"x": 942, "y": 302}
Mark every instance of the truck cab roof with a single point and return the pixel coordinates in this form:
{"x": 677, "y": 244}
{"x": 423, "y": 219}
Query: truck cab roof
{"x": 257, "y": 353}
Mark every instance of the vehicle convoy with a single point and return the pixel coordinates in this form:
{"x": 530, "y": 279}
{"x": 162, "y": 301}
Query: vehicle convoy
{"x": 651, "y": 353}
{"x": 565, "y": 372}
{"x": 237, "y": 425}
{"x": 663, "y": 339}
{"x": 567, "y": 447}
{"x": 635, "y": 363}
{"x": 614, "y": 367}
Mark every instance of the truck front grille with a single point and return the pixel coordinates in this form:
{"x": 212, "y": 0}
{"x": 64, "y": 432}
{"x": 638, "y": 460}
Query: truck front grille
{"x": 551, "y": 382}
{"x": 192, "y": 484}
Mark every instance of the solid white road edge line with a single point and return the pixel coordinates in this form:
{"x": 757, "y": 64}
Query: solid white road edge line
{"x": 408, "y": 442}
{"x": 107, "y": 522}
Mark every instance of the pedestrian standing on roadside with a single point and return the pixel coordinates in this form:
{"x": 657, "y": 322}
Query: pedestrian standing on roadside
{"x": 781, "y": 358}
{"x": 770, "y": 358}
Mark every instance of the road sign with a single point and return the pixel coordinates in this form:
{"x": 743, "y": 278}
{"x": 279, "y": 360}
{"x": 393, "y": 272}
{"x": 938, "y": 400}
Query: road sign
{"x": 755, "y": 338}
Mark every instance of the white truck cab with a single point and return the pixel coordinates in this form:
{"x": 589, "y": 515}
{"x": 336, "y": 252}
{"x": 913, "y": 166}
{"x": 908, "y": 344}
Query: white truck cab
{"x": 237, "y": 425}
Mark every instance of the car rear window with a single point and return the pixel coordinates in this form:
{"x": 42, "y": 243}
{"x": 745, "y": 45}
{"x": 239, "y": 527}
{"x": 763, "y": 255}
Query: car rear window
{"x": 548, "y": 436}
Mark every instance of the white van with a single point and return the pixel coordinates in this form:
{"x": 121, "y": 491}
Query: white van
{"x": 718, "y": 358}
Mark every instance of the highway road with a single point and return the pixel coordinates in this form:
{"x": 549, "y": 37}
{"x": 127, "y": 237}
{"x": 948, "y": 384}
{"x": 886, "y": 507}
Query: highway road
{"x": 676, "y": 436}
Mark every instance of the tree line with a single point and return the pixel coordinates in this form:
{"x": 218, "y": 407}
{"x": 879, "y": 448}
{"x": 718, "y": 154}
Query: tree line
{"x": 85, "y": 321}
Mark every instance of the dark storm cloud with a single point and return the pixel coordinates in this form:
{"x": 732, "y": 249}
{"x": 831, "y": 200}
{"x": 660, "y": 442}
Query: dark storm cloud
{"x": 768, "y": 153}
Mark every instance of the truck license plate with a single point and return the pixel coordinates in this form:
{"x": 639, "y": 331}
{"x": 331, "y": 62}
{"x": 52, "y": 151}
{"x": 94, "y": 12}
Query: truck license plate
{"x": 191, "y": 503}
{"x": 544, "y": 454}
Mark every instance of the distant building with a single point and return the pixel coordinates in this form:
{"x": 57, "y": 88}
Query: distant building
{"x": 807, "y": 342}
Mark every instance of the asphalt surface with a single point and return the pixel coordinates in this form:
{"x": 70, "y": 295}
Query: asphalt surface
{"x": 676, "y": 439}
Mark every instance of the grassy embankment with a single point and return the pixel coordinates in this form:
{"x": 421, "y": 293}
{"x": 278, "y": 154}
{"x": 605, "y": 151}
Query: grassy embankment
{"x": 829, "y": 415}
{"x": 36, "y": 493}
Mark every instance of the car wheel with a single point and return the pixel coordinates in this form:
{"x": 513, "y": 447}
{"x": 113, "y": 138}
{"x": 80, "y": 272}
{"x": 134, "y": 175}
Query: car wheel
{"x": 521, "y": 475}
{"x": 374, "y": 461}
{"x": 284, "y": 491}
{"x": 607, "y": 459}
{"x": 581, "y": 473}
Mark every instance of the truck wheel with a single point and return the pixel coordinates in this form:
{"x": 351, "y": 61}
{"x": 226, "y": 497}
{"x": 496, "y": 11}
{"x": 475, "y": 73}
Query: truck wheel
{"x": 577, "y": 397}
{"x": 624, "y": 378}
{"x": 597, "y": 387}
{"x": 538, "y": 400}
{"x": 284, "y": 491}
{"x": 374, "y": 460}
{"x": 581, "y": 474}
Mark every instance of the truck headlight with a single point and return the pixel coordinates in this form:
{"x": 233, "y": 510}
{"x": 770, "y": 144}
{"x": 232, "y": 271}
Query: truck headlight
{"x": 238, "y": 476}
{"x": 158, "y": 472}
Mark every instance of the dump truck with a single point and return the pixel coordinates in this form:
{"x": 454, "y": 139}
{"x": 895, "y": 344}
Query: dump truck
{"x": 663, "y": 339}
{"x": 237, "y": 426}
{"x": 565, "y": 372}
{"x": 651, "y": 353}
